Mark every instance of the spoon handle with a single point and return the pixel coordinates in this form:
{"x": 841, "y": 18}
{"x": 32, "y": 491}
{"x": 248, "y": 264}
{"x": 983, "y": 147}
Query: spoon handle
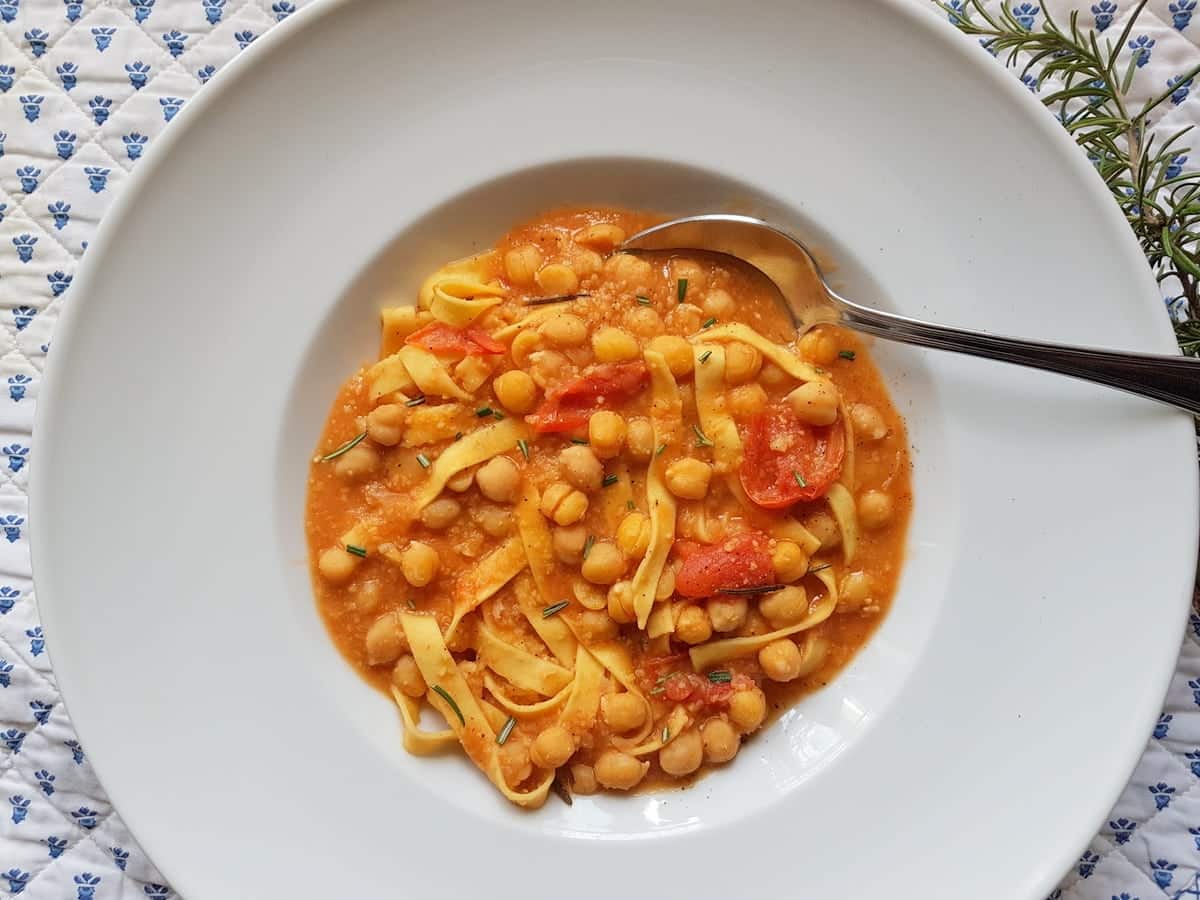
{"x": 1174, "y": 380}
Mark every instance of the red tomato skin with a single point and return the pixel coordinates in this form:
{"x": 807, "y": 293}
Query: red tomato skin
{"x": 570, "y": 405}
{"x": 740, "y": 561}
{"x": 438, "y": 337}
{"x": 768, "y": 474}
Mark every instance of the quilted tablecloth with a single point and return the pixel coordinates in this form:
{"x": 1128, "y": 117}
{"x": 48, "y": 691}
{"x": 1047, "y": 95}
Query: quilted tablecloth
{"x": 86, "y": 86}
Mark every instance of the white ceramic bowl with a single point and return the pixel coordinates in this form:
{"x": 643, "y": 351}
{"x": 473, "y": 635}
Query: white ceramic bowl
{"x": 974, "y": 745}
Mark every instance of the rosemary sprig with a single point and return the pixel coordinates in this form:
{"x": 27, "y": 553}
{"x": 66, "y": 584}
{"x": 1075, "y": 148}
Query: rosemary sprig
{"x": 502, "y": 737}
{"x": 355, "y": 550}
{"x": 555, "y": 608}
{"x": 702, "y": 439}
{"x": 753, "y": 589}
{"x": 345, "y": 448}
{"x": 445, "y": 695}
{"x": 415, "y": 401}
{"x": 561, "y": 298}
{"x": 523, "y": 446}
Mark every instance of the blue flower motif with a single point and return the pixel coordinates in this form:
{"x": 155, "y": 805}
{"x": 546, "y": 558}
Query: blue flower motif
{"x": 29, "y": 176}
{"x": 64, "y": 143}
{"x": 68, "y": 74}
{"x": 206, "y": 73}
{"x": 1026, "y": 14}
{"x": 5, "y": 673}
{"x": 16, "y": 878}
{"x": 41, "y": 711}
{"x": 1030, "y": 81}
{"x": 283, "y": 10}
{"x": 175, "y": 40}
{"x": 141, "y": 9}
{"x": 3, "y": 138}
{"x": 13, "y": 738}
{"x": 1174, "y": 170}
{"x": 76, "y": 751}
{"x": 1104, "y": 12}
{"x": 3, "y": 206}
{"x": 20, "y": 808}
{"x": 1181, "y": 13}
{"x": 59, "y": 282}
{"x": 135, "y": 142}
{"x": 16, "y": 462}
{"x": 10, "y": 595}
{"x": 85, "y": 817}
{"x": 170, "y": 106}
{"x": 156, "y": 891}
{"x": 1122, "y": 829}
{"x": 97, "y": 178}
{"x": 244, "y": 39}
{"x": 61, "y": 212}
{"x": 1087, "y": 863}
{"x": 213, "y": 10}
{"x": 37, "y": 41}
{"x": 1163, "y": 726}
{"x": 1141, "y": 47}
{"x": 74, "y": 8}
{"x": 139, "y": 74}
{"x": 86, "y": 889}
{"x": 57, "y": 845}
{"x": 37, "y": 643}
{"x": 11, "y": 525}
{"x": 120, "y": 857}
{"x": 8, "y": 9}
{"x": 1124, "y": 895}
{"x": 45, "y": 781}
{"x": 6, "y": 78}
{"x": 32, "y": 104}
{"x": 25, "y": 244}
{"x": 103, "y": 36}
{"x": 17, "y": 385}
{"x": 1160, "y": 871}
{"x": 100, "y": 107}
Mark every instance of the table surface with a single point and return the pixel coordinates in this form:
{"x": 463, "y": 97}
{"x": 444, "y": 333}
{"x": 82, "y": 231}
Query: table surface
{"x": 85, "y": 87}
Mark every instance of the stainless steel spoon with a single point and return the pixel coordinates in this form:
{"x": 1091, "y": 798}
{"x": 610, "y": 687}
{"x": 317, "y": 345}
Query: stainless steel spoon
{"x": 1174, "y": 380}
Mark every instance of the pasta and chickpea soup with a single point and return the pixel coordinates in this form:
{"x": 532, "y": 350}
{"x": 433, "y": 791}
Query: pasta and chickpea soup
{"x": 603, "y": 512}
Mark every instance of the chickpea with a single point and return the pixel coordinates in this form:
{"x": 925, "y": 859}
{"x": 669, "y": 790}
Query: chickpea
{"x": 688, "y": 478}
{"x": 583, "y": 779}
{"x": 494, "y": 520}
{"x": 460, "y": 482}
{"x": 819, "y": 347}
{"x": 633, "y": 534}
{"x": 563, "y": 504}
{"x": 622, "y": 712}
{"x": 685, "y": 317}
{"x": 441, "y": 513}
{"x": 815, "y": 402}
{"x": 604, "y": 563}
{"x": 824, "y": 528}
{"x": 875, "y": 509}
{"x": 620, "y": 603}
{"x": 557, "y": 279}
{"x": 683, "y": 754}
{"x": 385, "y": 640}
{"x": 855, "y": 591}
{"x": 746, "y": 400}
{"x": 522, "y": 347}
{"x": 515, "y": 765}
{"x": 619, "y": 771}
{"x": 676, "y": 351}
{"x": 548, "y": 367}
{"x": 747, "y": 709}
{"x": 589, "y": 595}
{"x": 786, "y": 607}
{"x": 516, "y": 391}
{"x": 587, "y": 262}
{"x": 552, "y": 747}
{"x": 644, "y": 321}
{"x": 780, "y": 660}
{"x": 632, "y": 270}
{"x": 419, "y": 563}
{"x": 407, "y": 677}
{"x": 602, "y": 237}
{"x": 568, "y": 544}
{"x": 336, "y": 565}
{"x": 385, "y": 424}
{"x": 613, "y": 345}
{"x": 727, "y": 613}
{"x": 719, "y": 304}
{"x": 666, "y": 584}
{"x": 606, "y": 433}
{"x": 499, "y": 479}
{"x": 521, "y": 264}
{"x": 693, "y": 626}
{"x": 867, "y": 422}
{"x": 742, "y": 363}
{"x": 640, "y": 439}
{"x": 721, "y": 742}
{"x": 581, "y": 468}
{"x": 564, "y": 330}
{"x": 772, "y": 376}
{"x": 357, "y": 461}
{"x": 789, "y": 560}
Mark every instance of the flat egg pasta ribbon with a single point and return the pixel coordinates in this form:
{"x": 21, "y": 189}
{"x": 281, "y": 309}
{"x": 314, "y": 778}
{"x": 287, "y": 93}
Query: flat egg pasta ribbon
{"x": 781, "y": 356}
{"x": 579, "y": 715}
{"x": 527, "y": 322}
{"x": 539, "y": 550}
{"x": 459, "y": 292}
{"x": 417, "y": 741}
{"x": 520, "y": 667}
{"x": 782, "y": 528}
{"x": 841, "y": 504}
{"x": 488, "y": 576}
{"x": 430, "y": 374}
{"x": 615, "y": 499}
{"x": 523, "y": 710}
{"x": 614, "y": 656}
{"x": 397, "y": 323}
{"x": 677, "y": 723}
{"x": 715, "y": 422}
{"x": 466, "y": 717}
{"x": 848, "y": 459}
{"x": 476, "y": 447}
{"x": 714, "y": 653}
{"x": 666, "y": 415}
{"x": 389, "y": 376}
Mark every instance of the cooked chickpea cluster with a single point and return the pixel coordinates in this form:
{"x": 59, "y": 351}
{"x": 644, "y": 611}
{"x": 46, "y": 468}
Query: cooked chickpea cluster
{"x": 524, "y": 549}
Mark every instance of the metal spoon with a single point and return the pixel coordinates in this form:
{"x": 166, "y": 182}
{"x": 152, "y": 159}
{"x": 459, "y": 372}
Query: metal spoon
{"x": 1174, "y": 380}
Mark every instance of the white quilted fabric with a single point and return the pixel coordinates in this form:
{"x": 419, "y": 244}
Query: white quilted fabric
{"x": 85, "y": 87}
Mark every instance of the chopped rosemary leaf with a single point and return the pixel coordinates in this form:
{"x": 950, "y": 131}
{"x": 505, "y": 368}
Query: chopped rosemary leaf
{"x": 630, "y": 505}
{"x": 358, "y": 551}
{"x": 588, "y": 544}
{"x": 720, "y": 676}
{"x": 846, "y": 354}
{"x": 681, "y": 289}
{"x": 555, "y": 608}
{"x": 704, "y": 356}
{"x": 445, "y": 695}
{"x": 523, "y": 446}
{"x": 458, "y": 436}
{"x": 709, "y": 323}
{"x": 579, "y": 440}
{"x": 561, "y": 298}
{"x": 658, "y": 691}
{"x": 502, "y": 737}
{"x": 497, "y": 415}
{"x": 701, "y": 438}
{"x": 644, "y": 300}
{"x": 753, "y": 589}
{"x": 410, "y": 604}
{"x": 415, "y": 401}
{"x": 666, "y": 735}
{"x": 661, "y": 448}
{"x": 349, "y": 445}
{"x": 483, "y": 412}
{"x": 423, "y": 460}
{"x": 609, "y": 480}
{"x": 799, "y": 478}
{"x": 820, "y": 568}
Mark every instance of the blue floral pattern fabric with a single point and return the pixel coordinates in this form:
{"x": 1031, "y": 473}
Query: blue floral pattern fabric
{"x": 86, "y": 87}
